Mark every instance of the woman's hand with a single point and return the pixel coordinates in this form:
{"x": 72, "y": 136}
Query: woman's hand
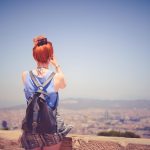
{"x": 54, "y": 61}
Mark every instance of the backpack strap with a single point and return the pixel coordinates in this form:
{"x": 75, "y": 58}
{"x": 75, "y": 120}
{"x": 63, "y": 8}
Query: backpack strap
{"x": 39, "y": 86}
{"x": 48, "y": 80}
{"x": 34, "y": 79}
{"x": 36, "y": 109}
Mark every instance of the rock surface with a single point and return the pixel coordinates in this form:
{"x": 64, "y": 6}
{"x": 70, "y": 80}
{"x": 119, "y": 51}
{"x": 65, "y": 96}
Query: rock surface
{"x": 9, "y": 141}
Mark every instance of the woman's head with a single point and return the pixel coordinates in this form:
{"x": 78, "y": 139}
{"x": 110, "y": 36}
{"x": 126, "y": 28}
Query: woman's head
{"x": 42, "y": 50}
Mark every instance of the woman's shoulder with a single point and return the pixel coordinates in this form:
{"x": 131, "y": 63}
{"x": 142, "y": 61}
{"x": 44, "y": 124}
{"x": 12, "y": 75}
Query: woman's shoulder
{"x": 24, "y": 74}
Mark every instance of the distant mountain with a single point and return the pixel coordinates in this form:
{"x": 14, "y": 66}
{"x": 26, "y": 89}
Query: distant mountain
{"x": 78, "y": 103}
{"x": 14, "y": 107}
{"x": 89, "y": 103}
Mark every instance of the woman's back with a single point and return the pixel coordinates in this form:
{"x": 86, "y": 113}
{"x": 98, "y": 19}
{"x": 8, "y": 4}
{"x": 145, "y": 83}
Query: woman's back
{"x": 30, "y": 88}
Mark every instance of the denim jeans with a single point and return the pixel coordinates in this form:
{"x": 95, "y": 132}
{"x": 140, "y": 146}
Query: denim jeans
{"x": 62, "y": 128}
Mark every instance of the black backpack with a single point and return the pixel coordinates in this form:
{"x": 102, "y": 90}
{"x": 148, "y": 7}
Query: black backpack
{"x": 39, "y": 118}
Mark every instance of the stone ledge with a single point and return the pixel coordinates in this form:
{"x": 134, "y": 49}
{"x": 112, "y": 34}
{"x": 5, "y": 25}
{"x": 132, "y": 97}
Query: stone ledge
{"x": 85, "y": 142}
{"x": 8, "y": 141}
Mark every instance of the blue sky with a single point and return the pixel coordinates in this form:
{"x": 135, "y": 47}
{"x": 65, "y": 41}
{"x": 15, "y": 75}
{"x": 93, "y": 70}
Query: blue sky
{"x": 102, "y": 46}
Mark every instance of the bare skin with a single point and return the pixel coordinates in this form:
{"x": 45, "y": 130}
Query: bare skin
{"x": 53, "y": 147}
{"x": 59, "y": 83}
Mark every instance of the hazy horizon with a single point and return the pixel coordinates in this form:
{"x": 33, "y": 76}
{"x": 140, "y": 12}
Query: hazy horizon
{"x": 102, "y": 46}
{"x": 71, "y": 100}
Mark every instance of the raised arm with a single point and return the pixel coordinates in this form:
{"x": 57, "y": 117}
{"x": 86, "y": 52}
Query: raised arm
{"x": 59, "y": 79}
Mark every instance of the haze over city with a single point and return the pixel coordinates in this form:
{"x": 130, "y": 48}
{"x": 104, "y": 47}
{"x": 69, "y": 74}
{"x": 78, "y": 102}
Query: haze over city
{"x": 101, "y": 46}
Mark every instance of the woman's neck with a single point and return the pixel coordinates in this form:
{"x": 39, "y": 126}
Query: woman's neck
{"x": 42, "y": 65}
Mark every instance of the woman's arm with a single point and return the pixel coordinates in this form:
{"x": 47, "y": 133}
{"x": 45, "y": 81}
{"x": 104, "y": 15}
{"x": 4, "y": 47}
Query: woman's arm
{"x": 59, "y": 79}
{"x": 24, "y": 76}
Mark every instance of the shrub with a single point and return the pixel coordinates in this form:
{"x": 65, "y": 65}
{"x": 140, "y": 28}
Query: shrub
{"x": 118, "y": 134}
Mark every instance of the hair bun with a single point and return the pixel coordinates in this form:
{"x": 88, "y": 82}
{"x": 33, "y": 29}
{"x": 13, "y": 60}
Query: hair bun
{"x": 39, "y": 41}
{"x": 42, "y": 42}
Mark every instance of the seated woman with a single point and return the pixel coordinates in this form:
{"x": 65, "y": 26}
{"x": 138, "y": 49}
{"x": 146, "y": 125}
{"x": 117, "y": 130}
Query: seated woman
{"x": 43, "y": 55}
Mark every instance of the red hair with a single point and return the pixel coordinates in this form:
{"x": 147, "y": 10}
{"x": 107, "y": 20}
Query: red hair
{"x": 44, "y": 52}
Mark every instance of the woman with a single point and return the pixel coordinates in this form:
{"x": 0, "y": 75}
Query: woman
{"x": 43, "y": 55}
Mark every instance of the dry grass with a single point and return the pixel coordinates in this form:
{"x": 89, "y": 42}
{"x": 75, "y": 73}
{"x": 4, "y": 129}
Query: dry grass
{"x": 14, "y": 135}
{"x": 10, "y": 134}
